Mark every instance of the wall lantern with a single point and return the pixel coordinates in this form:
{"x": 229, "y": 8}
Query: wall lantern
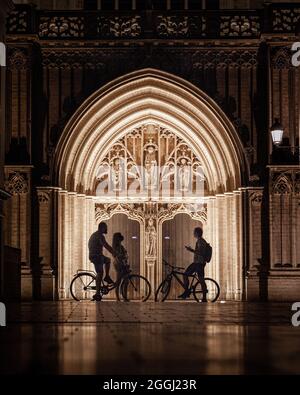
{"x": 277, "y": 132}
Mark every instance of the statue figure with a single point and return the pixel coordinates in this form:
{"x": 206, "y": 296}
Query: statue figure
{"x": 184, "y": 174}
{"x": 150, "y": 238}
{"x": 150, "y": 167}
{"x": 116, "y": 175}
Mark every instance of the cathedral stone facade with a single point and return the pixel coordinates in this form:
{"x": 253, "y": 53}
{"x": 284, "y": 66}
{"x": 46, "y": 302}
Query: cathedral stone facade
{"x": 89, "y": 89}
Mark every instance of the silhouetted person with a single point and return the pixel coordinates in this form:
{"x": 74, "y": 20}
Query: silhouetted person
{"x": 197, "y": 266}
{"x": 121, "y": 255}
{"x": 96, "y": 244}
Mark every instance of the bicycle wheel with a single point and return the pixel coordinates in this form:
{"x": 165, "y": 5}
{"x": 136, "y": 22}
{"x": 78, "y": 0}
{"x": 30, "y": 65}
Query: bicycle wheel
{"x": 163, "y": 291}
{"x": 135, "y": 288}
{"x": 213, "y": 291}
{"x": 83, "y": 286}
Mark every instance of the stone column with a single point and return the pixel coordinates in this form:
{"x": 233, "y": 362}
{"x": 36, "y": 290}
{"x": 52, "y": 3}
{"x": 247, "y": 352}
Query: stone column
{"x": 46, "y": 272}
{"x": 238, "y": 245}
{"x": 63, "y": 238}
{"x": 5, "y": 7}
{"x": 222, "y": 239}
{"x": 254, "y": 244}
{"x": 151, "y": 251}
{"x": 228, "y": 237}
{"x": 17, "y": 221}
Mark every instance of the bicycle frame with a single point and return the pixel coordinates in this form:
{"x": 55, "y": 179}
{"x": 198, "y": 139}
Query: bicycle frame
{"x": 109, "y": 287}
{"x": 174, "y": 273}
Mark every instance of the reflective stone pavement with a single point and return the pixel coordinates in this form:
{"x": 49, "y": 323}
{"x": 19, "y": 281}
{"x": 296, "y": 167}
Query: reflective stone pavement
{"x": 151, "y": 338}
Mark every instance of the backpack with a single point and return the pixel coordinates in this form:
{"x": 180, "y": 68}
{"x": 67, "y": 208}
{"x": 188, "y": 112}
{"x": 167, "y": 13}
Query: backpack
{"x": 208, "y": 253}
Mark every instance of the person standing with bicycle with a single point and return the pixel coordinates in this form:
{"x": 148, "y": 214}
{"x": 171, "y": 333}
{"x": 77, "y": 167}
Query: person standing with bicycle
{"x": 121, "y": 256}
{"x": 96, "y": 244}
{"x": 198, "y": 266}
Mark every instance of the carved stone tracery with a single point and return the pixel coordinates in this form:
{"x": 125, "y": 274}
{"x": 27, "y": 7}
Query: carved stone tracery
{"x": 18, "y": 59}
{"x": 150, "y": 158}
{"x": 17, "y": 184}
{"x": 281, "y": 58}
{"x": 17, "y": 22}
{"x": 285, "y": 19}
{"x": 180, "y": 26}
{"x": 256, "y": 199}
{"x": 223, "y": 58}
{"x": 120, "y": 27}
{"x": 61, "y": 27}
{"x": 43, "y": 197}
{"x": 286, "y": 182}
{"x": 240, "y": 25}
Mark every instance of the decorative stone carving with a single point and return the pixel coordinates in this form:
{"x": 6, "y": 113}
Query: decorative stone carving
{"x": 43, "y": 197}
{"x": 169, "y": 210}
{"x": 256, "y": 198}
{"x": 240, "y": 26}
{"x": 17, "y": 184}
{"x": 281, "y": 58}
{"x": 61, "y": 27}
{"x": 117, "y": 174}
{"x": 286, "y": 181}
{"x": 107, "y": 59}
{"x": 120, "y": 27}
{"x": 285, "y": 19}
{"x": 151, "y": 238}
{"x": 184, "y": 174}
{"x": 17, "y": 22}
{"x": 282, "y": 185}
{"x": 150, "y": 153}
{"x": 106, "y": 211}
{"x": 150, "y": 160}
{"x": 18, "y": 59}
{"x": 88, "y": 59}
{"x": 297, "y": 183}
{"x": 224, "y": 58}
{"x": 180, "y": 26}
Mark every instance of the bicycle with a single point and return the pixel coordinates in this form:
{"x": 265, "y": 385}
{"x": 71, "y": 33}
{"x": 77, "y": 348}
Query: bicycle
{"x": 162, "y": 292}
{"x": 130, "y": 286}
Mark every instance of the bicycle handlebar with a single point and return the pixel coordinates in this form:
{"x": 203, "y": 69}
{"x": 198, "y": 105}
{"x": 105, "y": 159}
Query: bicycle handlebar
{"x": 173, "y": 267}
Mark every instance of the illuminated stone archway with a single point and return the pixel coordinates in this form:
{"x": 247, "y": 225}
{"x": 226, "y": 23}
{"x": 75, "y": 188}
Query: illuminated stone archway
{"x": 148, "y": 97}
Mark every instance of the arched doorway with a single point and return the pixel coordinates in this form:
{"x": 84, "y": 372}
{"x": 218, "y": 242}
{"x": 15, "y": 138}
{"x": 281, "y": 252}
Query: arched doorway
{"x": 146, "y": 109}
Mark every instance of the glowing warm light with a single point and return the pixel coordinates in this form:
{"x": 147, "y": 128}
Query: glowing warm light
{"x": 150, "y": 97}
{"x": 277, "y": 132}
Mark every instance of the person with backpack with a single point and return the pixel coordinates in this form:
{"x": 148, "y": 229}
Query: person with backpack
{"x": 202, "y": 255}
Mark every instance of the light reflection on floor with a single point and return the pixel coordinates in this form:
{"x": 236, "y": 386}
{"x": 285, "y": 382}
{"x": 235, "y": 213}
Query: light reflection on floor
{"x": 165, "y": 338}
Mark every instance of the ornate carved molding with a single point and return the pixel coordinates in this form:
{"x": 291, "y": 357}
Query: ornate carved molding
{"x": 75, "y": 58}
{"x": 169, "y": 211}
{"x": 240, "y": 26}
{"x": 43, "y": 197}
{"x": 17, "y": 184}
{"x": 120, "y": 27}
{"x": 107, "y": 58}
{"x": 255, "y": 198}
{"x": 61, "y": 27}
{"x": 286, "y": 182}
{"x": 285, "y": 19}
{"x": 281, "y": 58}
{"x": 17, "y": 22}
{"x": 18, "y": 59}
{"x": 180, "y": 26}
{"x": 224, "y": 58}
{"x": 150, "y": 160}
{"x": 6, "y": 7}
{"x": 106, "y": 211}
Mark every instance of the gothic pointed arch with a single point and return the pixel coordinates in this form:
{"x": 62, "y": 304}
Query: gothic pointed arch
{"x": 149, "y": 97}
